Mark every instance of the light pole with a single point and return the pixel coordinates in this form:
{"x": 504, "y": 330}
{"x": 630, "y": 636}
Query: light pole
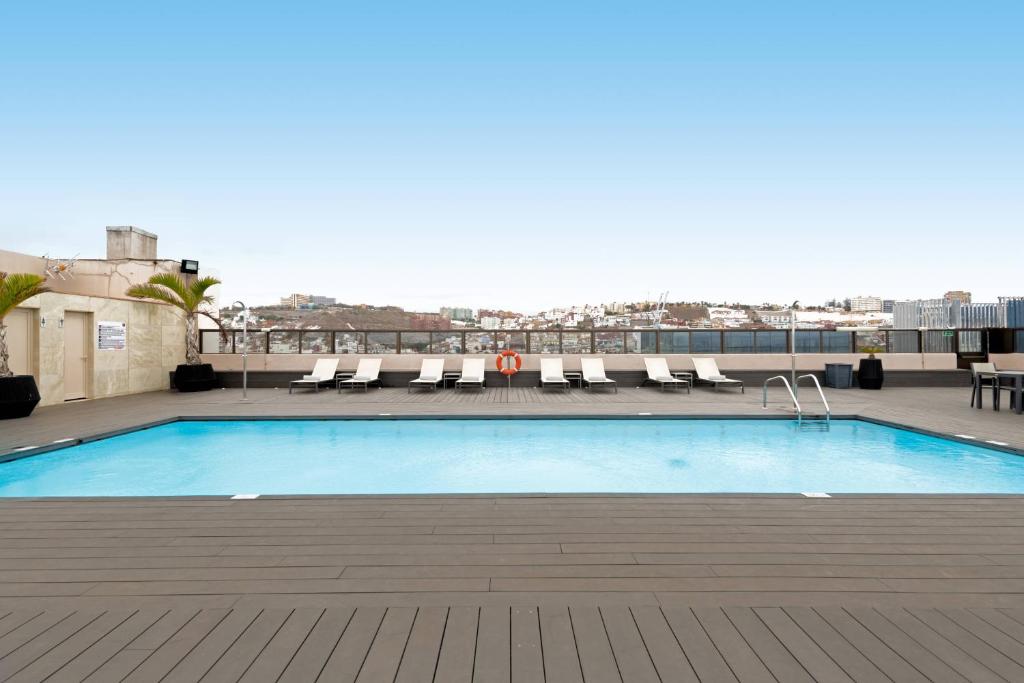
{"x": 792, "y": 347}
{"x": 245, "y": 349}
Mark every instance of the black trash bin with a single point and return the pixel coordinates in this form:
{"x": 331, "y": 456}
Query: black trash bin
{"x": 839, "y": 375}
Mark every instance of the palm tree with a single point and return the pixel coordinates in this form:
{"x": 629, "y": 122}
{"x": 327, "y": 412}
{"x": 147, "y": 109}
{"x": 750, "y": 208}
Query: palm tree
{"x": 171, "y": 289}
{"x": 15, "y": 289}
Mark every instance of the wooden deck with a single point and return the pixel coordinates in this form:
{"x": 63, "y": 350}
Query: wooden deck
{"x": 502, "y": 588}
{"x": 531, "y": 588}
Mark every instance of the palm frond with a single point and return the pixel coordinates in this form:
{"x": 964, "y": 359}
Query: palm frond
{"x": 157, "y": 293}
{"x": 197, "y": 290}
{"x": 172, "y": 282}
{"x": 15, "y": 288}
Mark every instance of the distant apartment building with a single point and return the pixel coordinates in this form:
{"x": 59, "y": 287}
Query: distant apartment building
{"x": 887, "y": 305}
{"x": 865, "y": 304}
{"x": 951, "y": 313}
{"x": 306, "y": 300}
{"x": 957, "y": 295}
{"x": 728, "y": 317}
{"x": 457, "y": 313}
{"x": 1014, "y": 310}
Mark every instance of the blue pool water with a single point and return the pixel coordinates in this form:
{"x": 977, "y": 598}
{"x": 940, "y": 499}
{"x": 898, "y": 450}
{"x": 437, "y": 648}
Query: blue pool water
{"x": 477, "y": 456}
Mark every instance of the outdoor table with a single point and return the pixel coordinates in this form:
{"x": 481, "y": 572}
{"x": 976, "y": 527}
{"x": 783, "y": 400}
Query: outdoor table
{"x": 577, "y": 376}
{"x": 1018, "y": 386}
{"x": 452, "y": 377}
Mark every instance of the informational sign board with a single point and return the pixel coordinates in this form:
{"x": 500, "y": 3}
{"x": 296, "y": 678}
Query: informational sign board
{"x": 947, "y": 333}
{"x": 111, "y": 335}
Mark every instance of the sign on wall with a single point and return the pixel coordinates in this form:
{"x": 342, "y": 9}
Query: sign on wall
{"x": 111, "y": 335}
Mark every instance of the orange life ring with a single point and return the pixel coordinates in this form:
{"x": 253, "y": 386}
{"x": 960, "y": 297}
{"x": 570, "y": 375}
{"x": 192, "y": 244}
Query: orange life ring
{"x": 509, "y": 370}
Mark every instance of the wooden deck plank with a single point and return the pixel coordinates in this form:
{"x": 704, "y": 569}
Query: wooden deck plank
{"x": 275, "y": 656}
{"x": 158, "y": 662}
{"x": 87, "y": 650}
{"x": 846, "y": 655}
{"x": 126, "y": 659}
{"x": 870, "y": 646}
{"x": 385, "y": 655}
{"x": 241, "y": 654}
{"x": 30, "y": 629}
{"x": 814, "y": 660}
{"x": 213, "y": 647}
{"x": 17, "y": 619}
{"x": 67, "y": 649}
{"x": 349, "y": 654}
{"x": 46, "y": 641}
{"x": 458, "y": 647}
{"x": 783, "y": 665}
{"x": 309, "y": 660}
{"x": 746, "y": 666}
{"x": 595, "y": 652}
{"x": 977, "y": 647}
{"x": 631, "y": 655}
{"x": 699, "y": 649}
{"x": 493, "y": 645}
{"x": 527, "y": 660}
{"x": 666, "y": 655}
{"x": 953, "y": 655}
{"x": 931, "y": 666}
{"x": 419, "y": 661}
{"x": 558, "y": 643}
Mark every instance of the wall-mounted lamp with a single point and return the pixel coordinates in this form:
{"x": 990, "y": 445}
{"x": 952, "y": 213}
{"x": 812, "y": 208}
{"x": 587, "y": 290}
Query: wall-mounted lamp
{"x": 60, "y": 323}
{"x": 42, "y": 321}
{"x": 190, "y": 266}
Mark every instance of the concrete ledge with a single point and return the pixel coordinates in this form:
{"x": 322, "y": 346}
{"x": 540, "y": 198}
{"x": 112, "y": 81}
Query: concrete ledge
{"x": 626, "y": 378}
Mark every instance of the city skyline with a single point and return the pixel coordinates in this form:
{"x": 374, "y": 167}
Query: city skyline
{"x": 524, "y": 154}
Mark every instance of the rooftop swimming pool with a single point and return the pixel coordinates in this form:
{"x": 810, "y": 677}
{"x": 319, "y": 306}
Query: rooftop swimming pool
{"x": 512, "y": 456}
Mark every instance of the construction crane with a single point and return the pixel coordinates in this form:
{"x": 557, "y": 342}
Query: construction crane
{"x": 659, "y": 312}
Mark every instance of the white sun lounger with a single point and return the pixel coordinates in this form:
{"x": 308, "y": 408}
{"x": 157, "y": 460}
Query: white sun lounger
{"x": 707, "y": 371}
{"x": 367, "y": 373}
{"x": 472, "y": 374}
{"x": 323, "y": 373}
{"x": 593, "y": 374}
{"x": 551, "y": 374}
{"x": 657, "y": 371}
{"x": 431, "y": 374}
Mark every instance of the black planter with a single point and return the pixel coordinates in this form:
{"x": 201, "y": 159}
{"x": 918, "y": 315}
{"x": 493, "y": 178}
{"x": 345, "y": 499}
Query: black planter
{"x": 195, "y": 377}
{"x": 870, "y": 374}
{"x": 19, "y": 396}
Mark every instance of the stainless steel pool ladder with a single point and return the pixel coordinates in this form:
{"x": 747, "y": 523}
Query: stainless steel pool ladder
{"x": 821, "y": 394}
{"x": 793, "y": 397}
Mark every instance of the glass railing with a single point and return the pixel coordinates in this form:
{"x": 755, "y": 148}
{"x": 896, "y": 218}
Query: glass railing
{"x": 605, "y": 341}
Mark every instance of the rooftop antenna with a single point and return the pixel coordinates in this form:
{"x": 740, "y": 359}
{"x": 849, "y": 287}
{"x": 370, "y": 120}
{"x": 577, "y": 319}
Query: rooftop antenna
{"x": 62, "y": 268}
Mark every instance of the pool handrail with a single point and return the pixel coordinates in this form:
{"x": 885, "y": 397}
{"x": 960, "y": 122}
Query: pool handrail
{"x": 796, "y": 403}
{"x": 817, "y": 384}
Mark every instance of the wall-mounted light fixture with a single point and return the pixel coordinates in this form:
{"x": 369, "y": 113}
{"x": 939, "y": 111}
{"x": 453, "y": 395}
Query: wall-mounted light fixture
{"x": 60, "y": 323}
{"x": 189, "y": 266}
{"x": 42, "y": 321}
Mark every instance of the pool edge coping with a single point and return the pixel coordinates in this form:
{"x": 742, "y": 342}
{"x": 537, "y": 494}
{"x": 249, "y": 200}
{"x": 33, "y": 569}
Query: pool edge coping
{"x": 25, "y": 452}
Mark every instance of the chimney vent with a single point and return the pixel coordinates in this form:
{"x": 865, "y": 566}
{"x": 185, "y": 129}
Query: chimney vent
{"x": 129, "y": 242}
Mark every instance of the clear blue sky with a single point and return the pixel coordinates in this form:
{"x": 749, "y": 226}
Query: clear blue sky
{"x": 529, "y": 154}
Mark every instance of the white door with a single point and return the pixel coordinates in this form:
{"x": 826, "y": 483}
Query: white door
{"x": 76, "y": 354}
{"x": 21, "y": 340}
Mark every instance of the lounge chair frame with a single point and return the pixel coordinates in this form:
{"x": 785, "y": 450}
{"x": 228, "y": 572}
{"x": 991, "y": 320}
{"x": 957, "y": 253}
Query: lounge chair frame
{"x": 316, "y": 383}
{"x": 428, "y": 382}
{"x": 594, "y": 380}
